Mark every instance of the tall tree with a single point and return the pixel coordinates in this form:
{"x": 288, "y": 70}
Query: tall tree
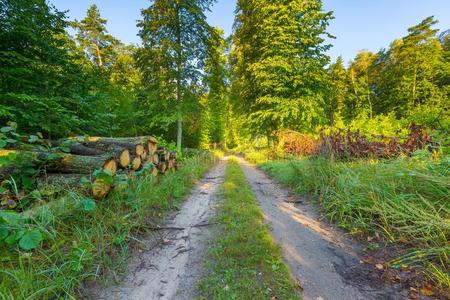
{"x": 338, "y": 91}
{"x": 216, "y": 82}
{"x": 174, "y": 43}
{"x": 360, "y": 74}
{"x": 40, "y": 85}
{"x": 94, "y": 39}
{"x": 279, "y": 63}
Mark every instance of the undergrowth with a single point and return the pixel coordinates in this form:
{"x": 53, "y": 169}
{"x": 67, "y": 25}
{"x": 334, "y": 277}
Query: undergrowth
{"x": 405, "y": 201}
{"x": 244, "y": 263}
{"x": 94, "y": 243}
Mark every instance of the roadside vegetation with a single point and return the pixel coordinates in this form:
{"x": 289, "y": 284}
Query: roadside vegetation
{"x": 403, "y": 203}
{"x": 244, "y": 262}
{"x": 80, "y": 239}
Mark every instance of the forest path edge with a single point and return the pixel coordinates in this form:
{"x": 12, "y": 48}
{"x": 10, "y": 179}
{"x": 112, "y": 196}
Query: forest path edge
{"x": 173, "y": 264}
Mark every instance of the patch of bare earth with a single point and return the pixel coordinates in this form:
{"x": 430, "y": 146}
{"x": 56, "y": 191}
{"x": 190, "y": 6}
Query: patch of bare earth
{"x": 326, "y": 263}
{"x": 173, "y": 265}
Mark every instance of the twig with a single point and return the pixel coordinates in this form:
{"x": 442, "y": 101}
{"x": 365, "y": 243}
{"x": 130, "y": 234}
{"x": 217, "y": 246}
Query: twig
{"x": 167, "y": 228}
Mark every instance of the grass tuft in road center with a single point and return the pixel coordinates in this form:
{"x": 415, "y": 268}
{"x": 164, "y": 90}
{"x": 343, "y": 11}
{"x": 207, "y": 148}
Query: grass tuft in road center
{"x": 244, "y": 262}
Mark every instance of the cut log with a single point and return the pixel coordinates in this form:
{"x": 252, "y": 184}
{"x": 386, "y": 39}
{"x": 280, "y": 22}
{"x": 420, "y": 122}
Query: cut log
{"x": 163, "y": 154}
{"x": 109, "y": 144}
{"x": 144, "y": 155}
{"x": 61, "y": 180}
{"x": 123, "y": 158}
{"x": 152, "y": 146}
{"x": 110, "y": 165}
{"x": 77, "y": 148}
{"x": 162, "y": 167}
{"x": 134, "y": 140}
{"x": 100, "y": 189}
{"x": 136, "y": 163}
{"x": 155, "y": 159}
{"x": 77, "y": 164}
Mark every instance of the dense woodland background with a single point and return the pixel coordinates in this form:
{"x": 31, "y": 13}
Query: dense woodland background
{"x": 63, "y": 78}
{"x": 368, "y": 141}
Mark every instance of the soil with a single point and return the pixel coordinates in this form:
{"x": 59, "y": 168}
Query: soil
{"x": 173, "y": 265}
{"x": 326, "y": 263}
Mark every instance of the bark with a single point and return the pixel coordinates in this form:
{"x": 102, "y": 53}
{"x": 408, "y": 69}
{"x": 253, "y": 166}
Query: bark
{"x": 109, "y": 145}
{"x": 179, "y": 77}
{"x": 77, "y": 148}
{"x": 64, "y": 180}
{"x": 76, "y": 164}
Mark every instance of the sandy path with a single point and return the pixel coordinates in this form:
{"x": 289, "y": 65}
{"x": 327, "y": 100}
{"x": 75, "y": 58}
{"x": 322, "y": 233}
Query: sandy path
{"x": 325, "y": 263}
{"x": 172, "y": 269}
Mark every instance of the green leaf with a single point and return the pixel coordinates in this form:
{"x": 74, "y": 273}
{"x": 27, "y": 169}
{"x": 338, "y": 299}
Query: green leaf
{"x": 3, "y": 233}
{"x": 6, "y": 129}
{"x": 10, "y": 217}
{"x": 12, "y": 124}
{"x": 13, "y": 238}
{"x": 64, "y": 148}
{"x": 31, "y": 239}
{"x": 88, "y": 205}
{"x": 33, "y": 139}
{"x": 85, "y": 181}
{"x": 11, "y": 141}
{"x": 104, "y": 175}
{"x": 2, "y": 144}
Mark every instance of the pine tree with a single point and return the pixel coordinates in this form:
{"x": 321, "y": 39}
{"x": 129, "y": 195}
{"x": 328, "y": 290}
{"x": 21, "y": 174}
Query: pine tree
{"x": 94, "y": 39}
{"x": 174, "y": 42}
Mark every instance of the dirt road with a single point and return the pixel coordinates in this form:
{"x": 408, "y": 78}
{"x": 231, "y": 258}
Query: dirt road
{"x": 172, "y": 268}
{"x": 325, "y": 263}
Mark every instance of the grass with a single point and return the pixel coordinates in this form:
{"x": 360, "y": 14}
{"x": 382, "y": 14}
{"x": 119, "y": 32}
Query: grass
{"x": 96, "y": 245}
{"x": 404, "y": 201}
{"x": 244, "y": 263}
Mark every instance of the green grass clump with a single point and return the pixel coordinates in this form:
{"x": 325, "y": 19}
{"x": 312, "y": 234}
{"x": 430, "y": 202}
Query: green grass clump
{"x": 83, "y": 245}
{"x": 244, "y": 263}
{"x": 406, "y": 200}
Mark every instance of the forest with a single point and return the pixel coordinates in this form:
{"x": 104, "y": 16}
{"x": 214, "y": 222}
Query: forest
{"x": 368, "y": 142}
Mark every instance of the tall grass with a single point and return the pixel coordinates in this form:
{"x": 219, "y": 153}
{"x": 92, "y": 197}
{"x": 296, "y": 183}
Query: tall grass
{"x": 406, "y": 201}
{"x": 84, "y": 245}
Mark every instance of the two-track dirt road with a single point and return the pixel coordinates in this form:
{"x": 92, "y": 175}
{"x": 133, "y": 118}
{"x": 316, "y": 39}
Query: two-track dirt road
{"x": 325, "y": 263}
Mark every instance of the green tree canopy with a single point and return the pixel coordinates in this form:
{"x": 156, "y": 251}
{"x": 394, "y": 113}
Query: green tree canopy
{"x": 279, "y": 59}
{"x": 174, "y": 44}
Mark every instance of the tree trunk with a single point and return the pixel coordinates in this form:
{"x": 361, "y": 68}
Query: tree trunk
{"x": 77, "y": 148}
{"x": 69, "y": 164}
{"x": 63, "y": 180}
{"x": 179, "y": 78}
{"x": 108, "y": 144}
{"x": 136, "y": 163}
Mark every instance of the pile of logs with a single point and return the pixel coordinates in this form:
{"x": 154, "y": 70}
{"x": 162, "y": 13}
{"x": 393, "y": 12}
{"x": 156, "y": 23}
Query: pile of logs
{"x": 110, "y": 156}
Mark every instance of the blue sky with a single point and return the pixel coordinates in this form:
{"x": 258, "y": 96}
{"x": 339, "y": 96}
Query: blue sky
{"x": 358, "y": 24}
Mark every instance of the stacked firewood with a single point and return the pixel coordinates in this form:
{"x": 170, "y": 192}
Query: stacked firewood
{"x": 88, "y": 157}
